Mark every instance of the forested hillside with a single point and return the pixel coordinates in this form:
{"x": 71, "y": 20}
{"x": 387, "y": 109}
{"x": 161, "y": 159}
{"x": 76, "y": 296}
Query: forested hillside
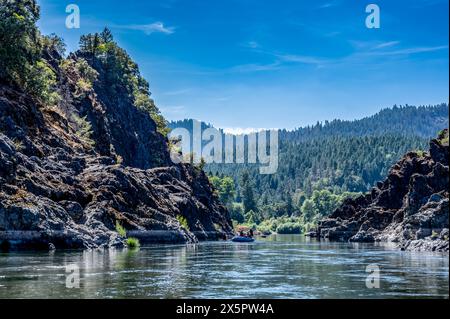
{"x": 321, "y": 165}
{"x": 422, "y": 121}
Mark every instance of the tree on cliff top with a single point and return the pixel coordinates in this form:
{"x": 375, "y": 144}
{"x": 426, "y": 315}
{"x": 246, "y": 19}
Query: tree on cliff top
{"x": 120, "y": 72}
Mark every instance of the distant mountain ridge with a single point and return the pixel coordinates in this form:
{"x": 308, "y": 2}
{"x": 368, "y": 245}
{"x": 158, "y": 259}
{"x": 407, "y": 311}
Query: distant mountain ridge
{"x": 423, "y": 121}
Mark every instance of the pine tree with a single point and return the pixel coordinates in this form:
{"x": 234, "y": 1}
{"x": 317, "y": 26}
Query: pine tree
{"x": 247, "y": 193}
{"x": 106, "y": 36}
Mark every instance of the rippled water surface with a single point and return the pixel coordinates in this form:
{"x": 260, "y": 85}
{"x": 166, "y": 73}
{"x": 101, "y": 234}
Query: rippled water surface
{"x": 275, "y": 267}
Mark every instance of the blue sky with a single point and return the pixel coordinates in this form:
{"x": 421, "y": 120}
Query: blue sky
{"x": 274, "y": 64}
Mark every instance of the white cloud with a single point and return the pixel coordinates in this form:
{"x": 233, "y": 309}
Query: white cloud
{"x": 244, "y": 68}
{"x": 386, "y": 45}
{"x": 174, "y": 110}
{"x": 409, "y": 51}
{"x": 243, "y": 131}
{"x": 177, "y": 92}
{"x": 304, "y": 59}
{"x": 329, "y": 5}
{"x": 252, "y": 45}
{"x": 156, "y": 27}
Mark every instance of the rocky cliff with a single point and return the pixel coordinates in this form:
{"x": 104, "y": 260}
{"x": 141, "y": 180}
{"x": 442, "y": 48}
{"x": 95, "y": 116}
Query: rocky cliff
{"x": 69, "y": 172}
{"x": 410, "y": 208}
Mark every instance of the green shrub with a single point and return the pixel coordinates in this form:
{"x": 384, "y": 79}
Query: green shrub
{"x": 265, "y": 228}
{"x": 307, "y": 227}
{"x": 18, "y": 145}
{"x": 289, "y": 228}
{"x": 41, "y": 83}
{"x": 86, "y": 71}
{"x": 54, "y": 42}
{"x": 236, "y": 212}
{"x": 421, "y": 153}
{"x": 133, "y": 242}
{"x": 183, "y": 222}
{"x": 443, "y": 137}
{"x": 143, "y": 101}
{"x": 268, "y": 226}
{"x": 119, "y": 160}
{"x": 120, "y": 230}
{"x": 87, "y": 75}
{"x": 83, "y": 129}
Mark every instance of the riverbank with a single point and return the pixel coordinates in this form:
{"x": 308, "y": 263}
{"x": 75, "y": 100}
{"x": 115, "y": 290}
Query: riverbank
{"x": 37, "y": 240}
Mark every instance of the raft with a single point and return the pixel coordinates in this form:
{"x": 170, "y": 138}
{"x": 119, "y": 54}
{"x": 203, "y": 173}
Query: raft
{"x": 241, "y": 239}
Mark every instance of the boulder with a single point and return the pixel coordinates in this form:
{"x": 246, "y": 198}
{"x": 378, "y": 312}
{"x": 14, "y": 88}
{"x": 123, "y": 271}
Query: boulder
{"x": 410, "y": 208}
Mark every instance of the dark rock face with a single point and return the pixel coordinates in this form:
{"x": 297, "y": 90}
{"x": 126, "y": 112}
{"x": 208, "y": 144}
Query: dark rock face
{"x": 58, "y": 192}
{"x": 410, "y": 208}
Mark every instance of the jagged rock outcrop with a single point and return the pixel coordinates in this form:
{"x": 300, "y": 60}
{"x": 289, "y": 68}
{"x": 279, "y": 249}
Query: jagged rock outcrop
{"x": 59, "y": 190}
{"x": 410, "y": 208}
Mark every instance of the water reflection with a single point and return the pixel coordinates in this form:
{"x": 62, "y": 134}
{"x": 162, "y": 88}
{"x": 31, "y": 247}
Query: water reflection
{"x": 275, "y": 267}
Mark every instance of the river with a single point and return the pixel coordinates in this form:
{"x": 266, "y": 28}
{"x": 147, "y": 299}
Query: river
{"x": 280, "y": 266}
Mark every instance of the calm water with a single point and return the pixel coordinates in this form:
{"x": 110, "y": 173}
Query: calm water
{"x": 276, "y": 267}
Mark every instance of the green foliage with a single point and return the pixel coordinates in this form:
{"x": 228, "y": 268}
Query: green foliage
{"x": 201, "y": 165}
{"x": 41, "y": 83}
{"x": 130, "y": 242}
{"x": 53, "y": 42}
{"x": 87, "y": 75}
{"x": 337, "y": 164}
{"x": 237, "y": 213}
{"x": 143, "y": 101}
{"x": 18, "y": 145}
{"x": 83, "y": 129}
{"x": 225, "y": 189}
{"x": 289, "y": 228}
{"x": 20, "y": 41}
{"x": 120, "y": 229}
{"x": 252, "y": 217}
{"x": 119, "y": 160}
{"x": 133, "y": 243}
{"x": 321, "y": 204}
{"x": 86, "y": 71}
{"x": 421, "y": 153}
{"x": 434, "y": 235}
{"x": 281, "y": 225}
{"x": 247, "y": 194}
{"x": 443, "y": 137}
{"x": 21, "y": 48}
{"x": 183, "y": 222}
